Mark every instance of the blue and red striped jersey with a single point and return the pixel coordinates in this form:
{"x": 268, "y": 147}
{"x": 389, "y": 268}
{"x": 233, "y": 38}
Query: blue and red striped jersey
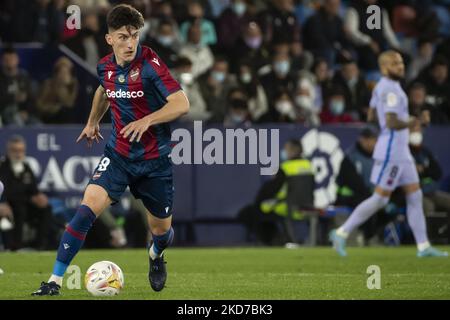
{"x": 134, "y": 91}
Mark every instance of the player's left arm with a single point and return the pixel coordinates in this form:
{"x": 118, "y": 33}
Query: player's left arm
{"x": 176, "y": 106}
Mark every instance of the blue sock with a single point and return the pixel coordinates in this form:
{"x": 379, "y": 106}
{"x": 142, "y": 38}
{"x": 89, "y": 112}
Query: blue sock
{"x": 73, "y": 239}
{"x": 163, "y": 241}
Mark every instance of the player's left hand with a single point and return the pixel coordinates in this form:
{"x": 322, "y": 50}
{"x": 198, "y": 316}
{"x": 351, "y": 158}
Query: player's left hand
{"x": 134, "y": 130}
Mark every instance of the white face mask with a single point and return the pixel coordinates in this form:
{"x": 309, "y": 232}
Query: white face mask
{"x": 304, "y": 102}
{"x": 17, "y": 167}
{"x": 415, "y": 138}
{"x": 285, "y": 108}
{"x": 187, "y": 78}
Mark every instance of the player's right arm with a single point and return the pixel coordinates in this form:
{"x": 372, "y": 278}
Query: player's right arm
{"x": 100, "y": 105}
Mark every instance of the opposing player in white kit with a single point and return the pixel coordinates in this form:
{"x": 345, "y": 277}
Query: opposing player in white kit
{"x": 394, "y": 166}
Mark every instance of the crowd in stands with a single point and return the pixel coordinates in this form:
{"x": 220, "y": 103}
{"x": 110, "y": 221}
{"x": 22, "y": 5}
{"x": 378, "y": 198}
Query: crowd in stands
{"x": 241, "y": 61}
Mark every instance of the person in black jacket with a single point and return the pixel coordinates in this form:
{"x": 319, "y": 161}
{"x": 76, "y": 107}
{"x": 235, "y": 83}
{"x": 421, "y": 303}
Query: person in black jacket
{"x": 23, "y": 197}
{"x": 429, "y": 173}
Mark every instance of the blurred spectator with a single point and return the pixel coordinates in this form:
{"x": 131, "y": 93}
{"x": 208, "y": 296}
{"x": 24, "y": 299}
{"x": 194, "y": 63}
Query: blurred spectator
{"x": 417, "y": 94}
{"x": 435, "y": 78}
{"x": 183, "y": 73}
{"x": 163, "y": 11}
{"x": 250, "y": 47}
{"x": 429, "y": 173}
{"x": 89, "y": 43}
{"x": 32, "y": 21}
{"x": 421, "y": 59}
{"x": 335, "y": 110}
{"x": 165, "y": 43}
{"x": 353, "y": 179}
{"x": 215, "y": 86}
{"x": 200, "y": 54}
{"x": 237, "y": 111}
{"x": 356, "y": 92}
{"x": 232, "y": 23}
{"x": 283, "y": 110}
{"x": 300, "y": 59}
{"x": 266, "y": 216}
{"x": 324, "y": 34}
{"x": 369, "y": 42}
{"x": 323, "y": 82}
{"x": 305, "y": 96}
{"x": 58, "y": 94}
{"x": 16, "y": 100}
{"x": 249, "y": 82}
{"x": 28, "y": 204}
{"x": 196, "y": 13}
{"x": 279, "y": 22}
{"x": 280, "y": 77}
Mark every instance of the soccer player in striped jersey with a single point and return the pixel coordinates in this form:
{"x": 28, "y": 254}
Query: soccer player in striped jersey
{"x": 394, "y": 165}
{"x": 136, "y": 85}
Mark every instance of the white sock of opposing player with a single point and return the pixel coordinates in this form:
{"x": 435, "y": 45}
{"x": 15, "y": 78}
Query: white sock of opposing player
{"x": 362, "y": 212}
{"x": 56, "y": 279}
{"x": 416, "y": 219}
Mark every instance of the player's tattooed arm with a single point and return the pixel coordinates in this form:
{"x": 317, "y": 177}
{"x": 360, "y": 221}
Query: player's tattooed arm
{"x": 100, "y": 105}
{"x": 394, "y": 123}
{"x": 176, "y": 106}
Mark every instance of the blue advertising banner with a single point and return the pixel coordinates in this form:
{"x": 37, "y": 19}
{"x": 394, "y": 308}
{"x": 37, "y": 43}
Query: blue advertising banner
{"x": 202, "y": 190}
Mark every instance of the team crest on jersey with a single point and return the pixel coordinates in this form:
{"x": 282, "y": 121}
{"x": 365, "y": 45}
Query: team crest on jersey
{"x": 121, "y": 78}
{"x": 109, "y": 74}
{"x": 134, "y": 74}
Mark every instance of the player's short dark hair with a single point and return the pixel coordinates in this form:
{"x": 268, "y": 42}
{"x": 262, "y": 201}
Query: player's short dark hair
{"x": 124, "y": 15}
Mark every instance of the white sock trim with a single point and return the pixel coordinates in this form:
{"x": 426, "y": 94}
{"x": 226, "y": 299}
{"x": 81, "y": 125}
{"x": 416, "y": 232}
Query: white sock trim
{"x": 423, "y": 246}
{"x": 58, "y": 280}
{"x": 153, "y": 254}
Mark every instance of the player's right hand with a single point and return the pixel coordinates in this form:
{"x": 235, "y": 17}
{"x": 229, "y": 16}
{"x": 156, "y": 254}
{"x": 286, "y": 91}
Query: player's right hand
{"x": 91, "y": 133}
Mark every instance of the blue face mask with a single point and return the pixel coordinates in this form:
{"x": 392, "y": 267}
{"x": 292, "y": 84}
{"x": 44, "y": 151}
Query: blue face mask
{"x": 218, "y": 76}
{"x": 239, "y": 8}
{"x": 337, "y": 107}
{"x": 282, "y": 67}
{"x": 165, "y": 41}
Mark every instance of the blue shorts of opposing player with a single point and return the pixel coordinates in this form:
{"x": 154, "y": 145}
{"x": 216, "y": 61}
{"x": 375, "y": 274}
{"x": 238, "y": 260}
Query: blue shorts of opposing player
{"x": 149, "y": 180}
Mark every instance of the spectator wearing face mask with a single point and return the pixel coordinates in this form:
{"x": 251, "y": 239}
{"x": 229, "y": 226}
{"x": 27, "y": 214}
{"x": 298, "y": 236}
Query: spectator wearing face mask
{"x": 183, "y": 73}
{"x": 27, "y": 203}
{"x": 200, "y": 54}
{"x": 429, "y": 173}
{"x": 164, "y": 43}
{"x": 231, "y": 24}
{"x": 196, "y": 14}
{"x": 304, "y": 101}
{"x": 284, "y": 109}
{"x": 237, "y": 112}
{"x": 357, "y": 94}
{"x": 335, "y": 109}
{"x": 249, "y": 82}
{"x": 250, "y": 47}
{"x": 279, "y": 78}
{"x": 215, "y": 86}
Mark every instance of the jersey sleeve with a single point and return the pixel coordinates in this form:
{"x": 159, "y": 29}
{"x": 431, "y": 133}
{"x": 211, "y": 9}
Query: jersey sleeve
{"x": 163, "y": 80}
{"x": 390, "y": 101}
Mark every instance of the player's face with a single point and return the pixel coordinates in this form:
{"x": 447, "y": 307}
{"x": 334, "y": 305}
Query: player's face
{"x": 396, "y": 67}
{"x": 124, "y": 42}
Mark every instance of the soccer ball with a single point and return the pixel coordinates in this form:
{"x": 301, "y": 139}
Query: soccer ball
{"x": 104, "y": 278}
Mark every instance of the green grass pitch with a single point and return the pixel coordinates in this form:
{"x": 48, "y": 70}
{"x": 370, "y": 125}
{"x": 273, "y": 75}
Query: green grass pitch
{"x": 247, "y": 273}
